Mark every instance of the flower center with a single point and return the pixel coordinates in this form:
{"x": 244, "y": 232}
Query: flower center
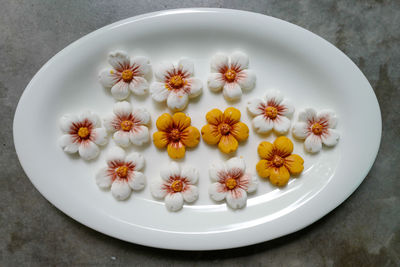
{"x": 83, "y": 132}
{"x": 224, "y": 128}
{"x": 127, "y": 75}
{"x": 230, "y": 75}
{"x": 271, "y": 112}
{"x": 277, "y": 161}
{"x": 126, "y": 125}
{"x": 176, "y": 81}
{"x": 175, "y": 135}
{"x": 230, "y": 183}
{"x": 177, "y": 186}
{"x": 122, "y": 171}
{"x": 317, "y": 128}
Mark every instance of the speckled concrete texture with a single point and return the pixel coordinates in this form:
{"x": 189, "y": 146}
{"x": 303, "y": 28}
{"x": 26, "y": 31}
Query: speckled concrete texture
{"x": 363, "y": 231}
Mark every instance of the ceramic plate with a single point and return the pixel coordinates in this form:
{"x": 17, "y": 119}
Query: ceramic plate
{"x": 305, "y": 68}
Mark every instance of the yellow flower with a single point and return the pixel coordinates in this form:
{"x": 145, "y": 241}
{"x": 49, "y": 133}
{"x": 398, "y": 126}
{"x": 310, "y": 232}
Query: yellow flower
{"x": 278, "y": 162}
{"x": 175, "y": 133}
{"x": 224, "y": 129}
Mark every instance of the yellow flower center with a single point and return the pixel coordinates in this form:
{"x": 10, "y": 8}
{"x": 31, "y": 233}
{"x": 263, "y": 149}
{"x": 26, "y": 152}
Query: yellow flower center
{"x": 83, "y": 132}
{"x": 224, "y": 128}
{"x": 317, "y": 128}
{"x": 177, "y": 186}
{"x": 230, "y": 183}
{"x": 230, "y": 75}
{"x": 278, "y": 161}
{"x": 271, "y": 112}
{"x": 127, "y": 75}
{"x": 175, "y": 135}
{"x": 126, "y": 125}
{"x": 176, "y": 81}
{"x": 122, "y": 171}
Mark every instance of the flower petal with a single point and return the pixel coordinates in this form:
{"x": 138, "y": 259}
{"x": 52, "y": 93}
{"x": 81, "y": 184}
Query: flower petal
{"x": 215, "y": 81}
{"x": 159, "y": 92}
{"x": 217, "y": 191}
{"x": 265, "y": 150}
{"x": 181, "y": 121}
{"x": 279, "y": 176}
{"x": 239, "y": 60}
{"x": 142, "y": 64}
{"x": 122, "y": 109}
{"x": 99, "y": 136}
{"x": 232, "y": 115}
{"x": 309, "y": 114}
{"x": 218, "y": 62}
{"x": 294, "y": 163}
{"x": 177, "y": 100}
{"x": 140, "y": 135}
{"x": 121, "y": 138}
{"x": 331, "y": 137}
{"x": 262, "y": 124}
{"x": 313, "y": 143}
{"x": 253, "y": 183}
{"x": 240, "y": 131}
{"x": 141, "y": 115}
{"x": 263, "y": 168}
{"x": 255, "y": 106}
{"x": 119, "y": 60}
{"x": 164, "y": 122}
{"x": 139, "y": 86}
{"x": 214, "y": 116}
{"x": 88, "y": 150}
{"x": 103, "y": 179}
{"x": 247, "y": 79}
{"x": 157, "y": 189}
{"x": 232, "y": 91}
{"x": 196, "y": 87}
{"x": 236, "y": 163}
{"x": 288, "y": 108}
{"x": 115, "y": 154}
{"x": 91, "y": 117}
{"x": 174, "y": 202}
{"x": 120, "y": 189}
{"x": 108, "y": 122}
{"x": 300, "y": 130}
{"x": 210, "y": 134}
{"x": 120, "y": 90}
{"x": 228, "y": 144}
{"x": 108, "y": 78}
{"x": 281, "y": 124}
{"x": 176, "y": 150}
{"x": 190, "y": 173}
{"x": 66, "y": 122}
{"x": 191, "y": 193}
{"x": 273, "y": 96}
{"x": 173, "y": 170}
{"x": 186, "y": 66}
{"x": 190, "y": 137}
{"x": 162, "y": 71}
{"x": 217, "y": 168}
{"x": 67, "y": 143}
{"x": 237, "y": 198}
{"x": 137, "y": 181}
{"x": 329, "y": 116}
{"x": 283, "y": 146}
{"x": 136, "y": 159}
{"x": 160, "y": 139}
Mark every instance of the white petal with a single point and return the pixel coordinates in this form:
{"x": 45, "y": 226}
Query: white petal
{"x": 66, "y": 122}
{"x": 120, "y": 189}
{"x": 262, "y": 124}
{"x": 289, "y": 108}
{"x": 119, "y": 60}
{"x": 108, "y": 77}
{"x": 328, "y": 115}
{"x": 115, "y": 154}
{"x": 99, "y": 136}
{"x": 236, "y": 163}
{"x": 300, "y": 130}
{"x": 159, "y": 92}
{"x": 236, "y": 199}
{"x": 273, "y": 95}
{"x": 173, "y": 170}
{"x": 67, "y": 143}
{"x": 331, "y": 138}
{"x": 253, "y": 184}
{"x": 156, "y": 188}
{"x": 139, "y": 86}
{"x": 215, "y": 81}
{"x": 108, "y": 122}
{"x": 190, "y": 173}
{"x": 239, "y": 60}
{"x": 247, "y": 79}
{"x": 232, "y": 91}
{"x": 255, "y": 106}
{"x": 196, "y": 87}
{"x": 137, "y": 181}
{"x": 177, "y": 101}
{"x": 88, "y": 150}
{"x": 216, "y": 168}
{"x": 216, "y": 191}
{"x": 143, "y": 64}
{"x": 120, "y": 90}
{"x": 187, "y": 67}
{"x": 307, "y": 114}
{"x": 161, "y": 71}
{"x": 140, "y": 135}
{"x": 313, "y": 143}
{"x": 191, "y": 193}
{"x": 136, "y": 159}
{"x": 141, "y": 115}
{"x": 218, "y": 62}
{"x": 103, "y": 180}
{"x": 121, "y": 138}
{"x": 91, "y": 117}
{"x": 122, "y": 109}
{"x": 281, "y": 124}
{"x": 174, "y": 202}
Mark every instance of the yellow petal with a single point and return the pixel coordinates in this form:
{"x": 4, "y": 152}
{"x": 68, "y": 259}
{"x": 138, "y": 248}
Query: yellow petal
{"x": 294, "y": 163}
{"x": 181, "y": 121}
{"x": 190, "y": 137}
{"x": 164, "y": 122}
{"x": 279, "y": 176}
{"x": 283, "y": 145}
{"x": 228, "y": 144}
{"x": 265, "y": 150}
{"x": 160, "y": 139}
{"x": 214, "y": 116}
{"x": 240, "y": 131}
{"x": 210, "y": 134}
{"x": 231, "y": 115}
{"x": 176, "y": 150}
{"x": 263, "y": 168}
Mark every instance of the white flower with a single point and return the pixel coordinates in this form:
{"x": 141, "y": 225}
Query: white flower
{"x": 126, "y": 74}
{"x": 231, "y": 75}
{"x": 176, "y": 186}
{"x": 316, "y": 129}
{"x": 175, "y": 84}
{"x": 231, "y": 182}
{"x": 122, "y": 173}
{"x": 128, "y": 124}
{"x": 271, "y": 112}
{"x": 82, "y": 134}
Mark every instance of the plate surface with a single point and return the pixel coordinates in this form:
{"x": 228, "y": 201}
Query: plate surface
{"x": 305, "y": 68}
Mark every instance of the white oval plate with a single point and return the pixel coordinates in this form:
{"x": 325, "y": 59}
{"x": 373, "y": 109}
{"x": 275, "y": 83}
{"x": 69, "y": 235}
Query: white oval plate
{"x": 306, "y": 68}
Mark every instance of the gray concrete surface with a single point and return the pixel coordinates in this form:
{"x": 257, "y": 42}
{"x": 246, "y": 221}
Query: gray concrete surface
{"x": 363, "y": 231}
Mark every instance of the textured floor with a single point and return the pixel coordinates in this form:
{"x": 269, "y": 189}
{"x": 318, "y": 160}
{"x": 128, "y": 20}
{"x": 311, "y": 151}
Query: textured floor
{"x": 363, "y": 231}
